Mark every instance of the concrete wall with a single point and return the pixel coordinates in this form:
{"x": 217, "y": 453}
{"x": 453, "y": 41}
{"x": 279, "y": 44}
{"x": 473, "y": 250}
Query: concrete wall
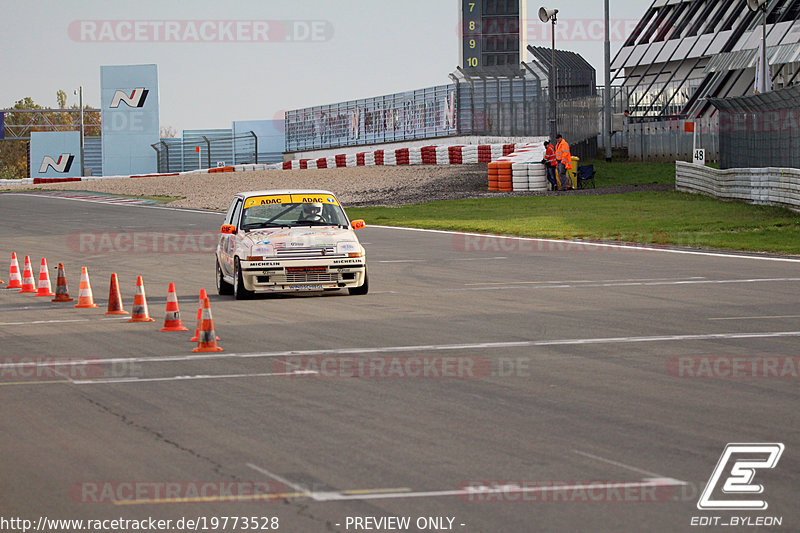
{"x": 762, "y": 186}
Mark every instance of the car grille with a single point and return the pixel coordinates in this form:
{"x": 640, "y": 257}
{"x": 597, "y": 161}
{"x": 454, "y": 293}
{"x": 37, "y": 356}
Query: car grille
{"x": 311, "y": 277}
{"x": 305, "y": 251}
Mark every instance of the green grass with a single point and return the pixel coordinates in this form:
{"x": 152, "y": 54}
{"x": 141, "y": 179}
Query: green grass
{"x": 620, "y": 172}
{"x": 640, "y": 217}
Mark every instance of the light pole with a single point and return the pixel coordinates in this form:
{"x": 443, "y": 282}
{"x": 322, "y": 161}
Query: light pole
{"x": 79, "y": 93}
{"x": 761, "y": 5}
{"x": 549, "y": 15}
{"x": 607, "y": 91}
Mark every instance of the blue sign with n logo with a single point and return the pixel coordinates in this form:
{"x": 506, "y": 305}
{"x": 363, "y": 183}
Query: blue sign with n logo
{"x": 129, "y": 103}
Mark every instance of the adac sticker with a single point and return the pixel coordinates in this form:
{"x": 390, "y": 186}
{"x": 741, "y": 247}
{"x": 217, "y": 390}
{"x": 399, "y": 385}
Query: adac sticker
{"x": 314, "y": 199}
{"x": 267, "y": 200}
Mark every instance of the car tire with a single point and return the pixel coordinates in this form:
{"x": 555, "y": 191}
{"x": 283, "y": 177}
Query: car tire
{"x": 363, "y": 289}
{"x": 239, "y": 292}
{"x": 223, "y": 287}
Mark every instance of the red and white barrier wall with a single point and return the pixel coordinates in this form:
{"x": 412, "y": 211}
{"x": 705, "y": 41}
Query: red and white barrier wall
{"x": 424, "y": 155}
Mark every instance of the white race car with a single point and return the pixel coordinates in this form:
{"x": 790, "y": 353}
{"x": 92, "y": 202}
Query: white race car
{"x": 289, "y": 241}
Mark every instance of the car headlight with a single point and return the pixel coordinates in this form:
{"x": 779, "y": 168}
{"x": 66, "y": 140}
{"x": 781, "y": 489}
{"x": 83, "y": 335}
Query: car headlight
{"x": 262, "y": 250}
{"x": 347, "y": 248}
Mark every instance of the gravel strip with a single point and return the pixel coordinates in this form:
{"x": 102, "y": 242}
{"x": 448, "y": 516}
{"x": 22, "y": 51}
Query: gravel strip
{"x": 355, "y": 186}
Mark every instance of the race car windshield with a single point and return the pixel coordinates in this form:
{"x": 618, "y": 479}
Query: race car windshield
{"x": 291, "y": 215}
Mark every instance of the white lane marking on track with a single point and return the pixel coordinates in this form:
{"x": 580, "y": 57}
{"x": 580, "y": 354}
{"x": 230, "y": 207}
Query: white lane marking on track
{"x": 415, "y": 348}
{"x": 632, "y": 247}
{"x": 37, "y": 322}
{"x": 180, "y": 209}
{"x": 476, "y": 492}
{"x": 754, "y": 317}
{"x": 280, "y": 479}
{"x": 440, "y": 261}
{"x": 573, "y": 285}
{"x": 187, "y": 378}
{"x": 473, "y": 491}
{"x": 481, "y": 259}
{"x": 585, "y": 281}
{"x": 621, "y": 465}
{"x": 45, "y": 307}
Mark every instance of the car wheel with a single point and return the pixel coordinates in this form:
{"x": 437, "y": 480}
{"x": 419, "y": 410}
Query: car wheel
{"x": 223, "y": 287}
{"x": 239, "y": 292}
{"x": 363, "y": 289}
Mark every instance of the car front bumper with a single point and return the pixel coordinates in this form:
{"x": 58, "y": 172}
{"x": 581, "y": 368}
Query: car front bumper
{"x": 303, "y": 275}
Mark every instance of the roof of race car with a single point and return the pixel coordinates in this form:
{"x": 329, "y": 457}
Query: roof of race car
{"x": 273, "y": 192}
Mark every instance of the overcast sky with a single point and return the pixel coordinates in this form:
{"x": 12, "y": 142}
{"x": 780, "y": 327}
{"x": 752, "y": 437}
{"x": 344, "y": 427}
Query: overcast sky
{"x": 220, "y": 61}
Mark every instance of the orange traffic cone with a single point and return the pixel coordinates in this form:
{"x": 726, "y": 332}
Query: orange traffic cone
{"x": 172, "y": 320}
{"x": 203, "y": 296}
{"x": 27, "y": 277}
{"x": 207, "y": 341}
{"x": 45, "y": 289}
{"x": 14, "y": 279}
{"x": 85, "y": 298}
{"x": 115, "y": 298}
{"x": 62, "y": 294}
{"x": 140, "y": 312}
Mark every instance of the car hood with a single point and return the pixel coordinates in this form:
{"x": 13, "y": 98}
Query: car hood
{"x": 305, "y": 236}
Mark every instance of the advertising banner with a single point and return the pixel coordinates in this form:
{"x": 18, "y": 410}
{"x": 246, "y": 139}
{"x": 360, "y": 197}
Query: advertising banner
{"x": 55, "y": 154}
{"x": 129, "y": 106}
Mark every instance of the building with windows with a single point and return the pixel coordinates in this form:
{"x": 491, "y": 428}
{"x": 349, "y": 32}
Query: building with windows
{"x": 684, "y": 52}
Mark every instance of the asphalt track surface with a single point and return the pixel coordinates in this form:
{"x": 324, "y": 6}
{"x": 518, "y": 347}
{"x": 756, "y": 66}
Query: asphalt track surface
{"x": 564, "y": 407}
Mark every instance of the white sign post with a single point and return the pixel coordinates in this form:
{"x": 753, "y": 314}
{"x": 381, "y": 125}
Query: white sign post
{"x": 699, "y": 156}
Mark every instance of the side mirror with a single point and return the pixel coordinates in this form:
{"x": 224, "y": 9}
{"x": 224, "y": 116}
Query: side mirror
{"x": 228, "y": 229}
{"x": 358, "y": 224}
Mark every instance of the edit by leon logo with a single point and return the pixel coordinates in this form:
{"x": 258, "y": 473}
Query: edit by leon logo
{"x": 62, "y": 165}
{"x": 745, "y": 459}
{"x": 136, "y": 99}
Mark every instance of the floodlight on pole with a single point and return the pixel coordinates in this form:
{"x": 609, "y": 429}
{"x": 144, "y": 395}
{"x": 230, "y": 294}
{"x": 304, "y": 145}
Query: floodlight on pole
{"x": 549, "y": 15}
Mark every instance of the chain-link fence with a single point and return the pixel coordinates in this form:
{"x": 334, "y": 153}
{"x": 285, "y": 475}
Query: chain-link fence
{"x": 491, "y": 106}
{"x": 761, "y": 130}
{"x": 207, "y": 149}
